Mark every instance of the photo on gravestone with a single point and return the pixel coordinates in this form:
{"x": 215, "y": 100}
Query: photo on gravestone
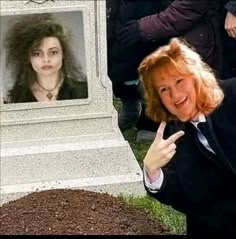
{"x": 43, "y": 57}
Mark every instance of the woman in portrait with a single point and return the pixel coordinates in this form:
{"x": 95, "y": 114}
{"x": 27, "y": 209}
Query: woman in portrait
{"x": 41, "y": 61}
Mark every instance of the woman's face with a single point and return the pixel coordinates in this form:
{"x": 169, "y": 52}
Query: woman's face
{"x": 178, "y": 94}
{"x": 46, "y": 59}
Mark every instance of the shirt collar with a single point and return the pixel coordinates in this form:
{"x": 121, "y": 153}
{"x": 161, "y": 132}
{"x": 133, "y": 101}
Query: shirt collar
{"x": 201, "y": 118}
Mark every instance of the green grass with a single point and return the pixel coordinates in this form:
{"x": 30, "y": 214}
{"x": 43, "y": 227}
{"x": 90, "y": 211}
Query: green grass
{"x": 171, "y": 219}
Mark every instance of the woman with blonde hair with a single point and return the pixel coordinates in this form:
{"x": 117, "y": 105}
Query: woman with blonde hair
{"x": 191, "y": 165}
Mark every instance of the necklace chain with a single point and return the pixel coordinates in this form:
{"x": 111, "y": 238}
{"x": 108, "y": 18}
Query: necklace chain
{"x": 49, "y": 94}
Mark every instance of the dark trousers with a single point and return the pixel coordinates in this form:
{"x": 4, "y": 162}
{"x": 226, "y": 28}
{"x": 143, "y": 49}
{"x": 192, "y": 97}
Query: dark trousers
{"x": 133, "y": 92}
{"x": 145, "y": 123}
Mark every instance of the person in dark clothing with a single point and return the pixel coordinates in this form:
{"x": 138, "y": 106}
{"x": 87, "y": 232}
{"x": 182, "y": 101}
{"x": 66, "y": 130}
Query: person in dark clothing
{"x": 123, "y": 61}
{"x": 138, "y": 28}
{"x": 228, "y": 21}
{"x": 40, "y": 58}
{"x": 191, "y": 165}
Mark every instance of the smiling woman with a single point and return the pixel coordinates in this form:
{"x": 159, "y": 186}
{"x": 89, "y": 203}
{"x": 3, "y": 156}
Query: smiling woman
{"x": 41, "y": 61}
{"x": 192, "y": 158}
{"x": 177, "y": 94}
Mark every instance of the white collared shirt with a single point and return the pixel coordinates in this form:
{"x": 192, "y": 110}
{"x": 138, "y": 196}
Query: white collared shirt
{"x": 156, "y": 185}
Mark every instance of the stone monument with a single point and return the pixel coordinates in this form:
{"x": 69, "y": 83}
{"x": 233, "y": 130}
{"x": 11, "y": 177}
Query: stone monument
{"x": 71, "y": 143}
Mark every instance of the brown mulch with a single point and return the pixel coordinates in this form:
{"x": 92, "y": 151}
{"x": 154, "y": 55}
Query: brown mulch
{"x": 60, "y": 211}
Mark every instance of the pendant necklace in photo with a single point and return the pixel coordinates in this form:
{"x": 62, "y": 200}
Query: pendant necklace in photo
{"x": 49, "y": 94}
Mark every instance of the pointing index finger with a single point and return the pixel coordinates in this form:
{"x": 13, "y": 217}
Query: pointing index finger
{"x": 175, "y": 136}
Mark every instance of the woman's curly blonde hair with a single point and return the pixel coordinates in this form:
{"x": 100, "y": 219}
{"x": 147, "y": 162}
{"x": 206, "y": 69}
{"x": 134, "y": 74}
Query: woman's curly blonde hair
{"x": 178, "y": 56}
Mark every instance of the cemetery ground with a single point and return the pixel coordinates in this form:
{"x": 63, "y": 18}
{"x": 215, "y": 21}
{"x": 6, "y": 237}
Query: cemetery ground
{"x": 82, "y": 212}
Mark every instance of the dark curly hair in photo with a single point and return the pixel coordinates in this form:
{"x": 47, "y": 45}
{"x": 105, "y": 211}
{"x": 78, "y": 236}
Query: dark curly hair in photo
{"x": 26, "y": 33}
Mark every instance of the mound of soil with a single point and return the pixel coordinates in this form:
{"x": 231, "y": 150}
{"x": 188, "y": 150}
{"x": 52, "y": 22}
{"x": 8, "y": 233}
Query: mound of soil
{"x": 74, "y": 212}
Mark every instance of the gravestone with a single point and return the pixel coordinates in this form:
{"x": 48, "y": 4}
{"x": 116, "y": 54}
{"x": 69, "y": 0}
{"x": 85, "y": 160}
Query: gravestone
{"x": 71, "y": 143}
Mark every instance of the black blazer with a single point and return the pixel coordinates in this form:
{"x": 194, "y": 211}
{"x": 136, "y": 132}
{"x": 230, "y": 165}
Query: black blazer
{"x": 202, "y": 184}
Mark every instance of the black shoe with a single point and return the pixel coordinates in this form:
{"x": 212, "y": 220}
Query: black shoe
{"x": 129, "y": 113}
